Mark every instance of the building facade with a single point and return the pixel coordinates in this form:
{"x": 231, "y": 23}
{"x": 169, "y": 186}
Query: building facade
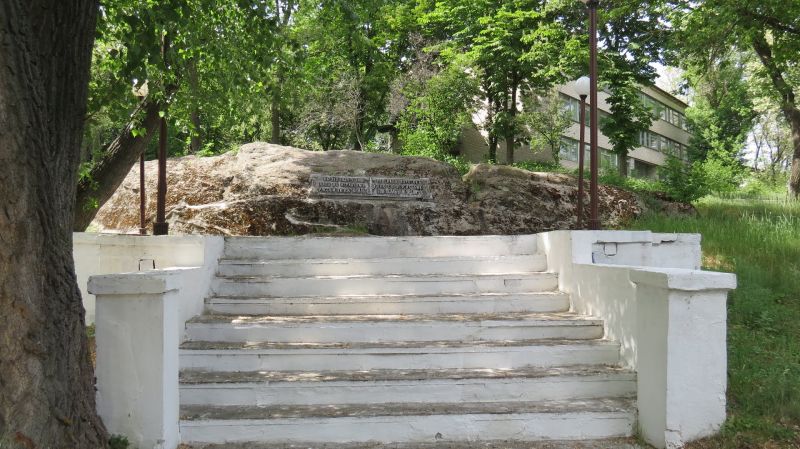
{"x": 668, "y": 135}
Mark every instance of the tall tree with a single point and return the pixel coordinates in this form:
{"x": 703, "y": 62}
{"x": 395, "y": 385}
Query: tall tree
{"x": 369, "y": 39}
{"x": 211, "y": 77}
{"x": 722, "y": 111}
{"x": 633, "y": 35}
{"x": 768, "y": 28}
{"x": 546, "y": 120}
{"x": 47, "y": 397}
{"x": 514, "y": 45}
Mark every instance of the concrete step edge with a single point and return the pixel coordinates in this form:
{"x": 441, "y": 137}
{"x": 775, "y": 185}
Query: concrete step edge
{"x": 284, "y": 412}
{"x": 483, "y": 319}
{"x": 388, "y": 347}
{"x": 190, "y": 377}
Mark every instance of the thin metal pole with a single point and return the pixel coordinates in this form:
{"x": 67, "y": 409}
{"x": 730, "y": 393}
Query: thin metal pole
{"x": 581, "y": 148}
{"x": 161, "y": 227}
{"x": 142, "y": 197}
{"x": 594, "y": 220}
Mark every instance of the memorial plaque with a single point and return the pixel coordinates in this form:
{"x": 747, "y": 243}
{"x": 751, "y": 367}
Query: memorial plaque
{"x": 371, "y": 187}
{"x": 402, "y": 188}
{"x": 325, "y": 185}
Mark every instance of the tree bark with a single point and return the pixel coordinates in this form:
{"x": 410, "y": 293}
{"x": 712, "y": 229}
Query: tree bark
{"x": 47, "y": 396}
{"x": 275, "y": 112}
{"x": 490, "y": 124}
{"x": 196, "y": 140}
{"x": 622, "y": 164}
{"x": 118, "y": 159}
{"x": 788, "y": 107}
{"x": 511, "y": 136}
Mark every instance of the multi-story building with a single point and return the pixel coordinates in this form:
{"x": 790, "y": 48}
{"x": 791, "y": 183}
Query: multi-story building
{"x": 668, "y": 135}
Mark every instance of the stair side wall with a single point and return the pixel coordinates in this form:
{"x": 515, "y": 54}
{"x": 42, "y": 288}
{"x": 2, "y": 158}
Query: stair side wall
{"x": 668, "y": 316}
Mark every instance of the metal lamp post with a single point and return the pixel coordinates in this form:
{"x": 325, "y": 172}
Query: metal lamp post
{"x": 160, "y": 226}
{"x": 594, "y": 221}
{"x": 142, "y": 197}
{"x": 582, "y": 88}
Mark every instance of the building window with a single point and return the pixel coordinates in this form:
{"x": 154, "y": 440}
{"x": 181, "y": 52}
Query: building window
{"x": 573, "y": 108}
{"x": 641, "y": 169}
{"x": 664, "y": 112}
{"x": 569, "y": 152}
{"x": 608, "y": 160}
{"x": 649, "y": 139}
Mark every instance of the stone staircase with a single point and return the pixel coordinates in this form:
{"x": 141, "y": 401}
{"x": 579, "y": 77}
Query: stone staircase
{"x": 326, "y": 341}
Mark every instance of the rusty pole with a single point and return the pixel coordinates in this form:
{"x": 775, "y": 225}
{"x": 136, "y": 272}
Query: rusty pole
{"x": 581, "y": 157}
{"x": 594, "y": 220}
{"x": 142, "y": 197}
{"x": 161, "y": 227}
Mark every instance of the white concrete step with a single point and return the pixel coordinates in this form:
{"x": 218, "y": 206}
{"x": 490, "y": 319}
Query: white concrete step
{"x": 605, "y": 443}
{"x": 393, "y": 328}
{"x": 262, "y": 388}
{"x": 225, "y": 356}
{"x": 387, "y": 423}
{"x": 307, "y": 247}
{"x": 383, "y": 285}
{"x": 395, "y": 265}
{"x": 544, "y": 302}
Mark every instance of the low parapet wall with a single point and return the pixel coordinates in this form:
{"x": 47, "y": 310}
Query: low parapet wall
{"x": 97, "y": 254}
{"x": 668, "y": 316}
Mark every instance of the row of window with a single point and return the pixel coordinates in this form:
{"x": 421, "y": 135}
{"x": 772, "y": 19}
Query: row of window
{"x": 663, "y": 144}
{"x": 664, "y": 112}
{"x": 573, "y": 109}
{"x": 569, "y": 151}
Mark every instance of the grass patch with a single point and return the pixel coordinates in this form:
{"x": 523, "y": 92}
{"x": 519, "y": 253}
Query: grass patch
{"x": 760, "y": 242}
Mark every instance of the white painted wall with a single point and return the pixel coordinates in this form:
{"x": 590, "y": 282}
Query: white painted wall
{"x": 140, "y": 324}
{"x": 669, "y": 318}
{"x": 118, "y": 253}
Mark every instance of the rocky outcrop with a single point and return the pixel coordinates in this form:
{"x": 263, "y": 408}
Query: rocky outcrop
{"x": 264, "y": 189}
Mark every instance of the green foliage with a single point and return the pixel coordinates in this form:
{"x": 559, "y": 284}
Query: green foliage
{"x": 723, "y": 174}
{"x": 760, "y": 242}
{"x": 720, "y": 36}
{"x": 513, "y": 44}
{"x": 638, "y": 185}
{"x": 629, "y": 116}
{"x": 722, "y": 111}
{"x": 118, "y": 442}
{"x": 763, "y": 185}
{"x": 545, "y": 120}
{"x": 551, "y": 167}
{"x": 437, "y": 112}
{"x": 684, "y": 182}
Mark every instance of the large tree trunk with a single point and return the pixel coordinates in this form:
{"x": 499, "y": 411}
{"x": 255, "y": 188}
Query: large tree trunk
{"x": 511, "y": 136}
{"x": 118, "y": 159}
{"x": 788, "y": 106}
{"x": 196, "y": 140}
{"x": 275, "y": 112}
{"x": 47, "y": 396}
{"x": 622, "y": 164}
{"x": 794, "y": 177}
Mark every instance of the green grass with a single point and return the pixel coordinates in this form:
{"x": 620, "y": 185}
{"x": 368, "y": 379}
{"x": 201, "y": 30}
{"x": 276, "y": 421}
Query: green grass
{"x": 760, "y": 242}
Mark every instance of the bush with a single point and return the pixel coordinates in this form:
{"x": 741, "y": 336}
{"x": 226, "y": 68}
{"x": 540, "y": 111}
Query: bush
{"x": 541, "y": 166}
{"x": 684, "y": 182}
{"x": 638, "y": 185}
{"x": 118, "y": 442}
{"x": 722, "y": 175}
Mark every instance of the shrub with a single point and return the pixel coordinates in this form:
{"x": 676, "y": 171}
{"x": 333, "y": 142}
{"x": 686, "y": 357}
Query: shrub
{"x": 118, "y": 442}
{"x": 541, "y": 166}
{"x": 684, "y": 182}
{"x": 639, "y": 185}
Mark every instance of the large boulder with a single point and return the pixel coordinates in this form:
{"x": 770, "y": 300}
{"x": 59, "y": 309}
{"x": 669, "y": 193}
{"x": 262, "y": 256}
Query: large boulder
{"x": 264, "y": 189}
